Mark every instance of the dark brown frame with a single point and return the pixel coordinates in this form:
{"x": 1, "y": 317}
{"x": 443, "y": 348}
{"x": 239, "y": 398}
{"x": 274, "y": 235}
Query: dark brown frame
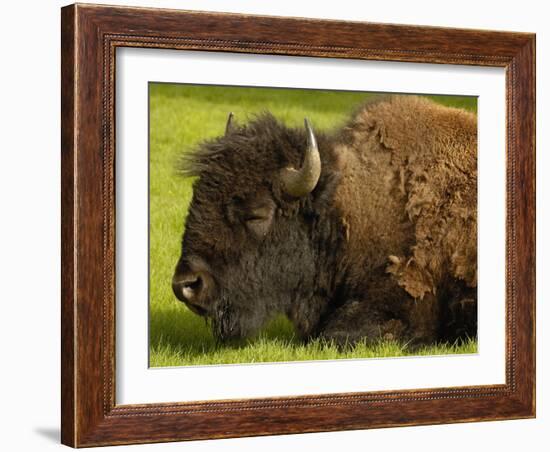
{"x": 90, "y": 34}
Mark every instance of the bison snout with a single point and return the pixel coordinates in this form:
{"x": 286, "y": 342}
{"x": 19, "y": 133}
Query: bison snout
{"x": 192, "y": 287}
{"x": 189, "y": 291}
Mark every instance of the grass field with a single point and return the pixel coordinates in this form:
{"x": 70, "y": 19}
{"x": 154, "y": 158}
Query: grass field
{"x": 180, "y": 117}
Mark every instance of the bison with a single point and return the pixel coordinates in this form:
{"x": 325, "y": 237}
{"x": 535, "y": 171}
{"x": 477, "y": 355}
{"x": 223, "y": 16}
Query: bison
{"x": 365, "y": 233}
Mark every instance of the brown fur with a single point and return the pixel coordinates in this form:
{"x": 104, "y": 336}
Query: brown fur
{"x": 408, "y": 196}
{"x": 384, "y": 246}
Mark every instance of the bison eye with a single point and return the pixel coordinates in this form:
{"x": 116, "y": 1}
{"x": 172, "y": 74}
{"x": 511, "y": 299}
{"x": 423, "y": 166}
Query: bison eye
{"x": 259, "y": 226}
{"x": 254, "y": 212}
{"x": 258, "y": 219}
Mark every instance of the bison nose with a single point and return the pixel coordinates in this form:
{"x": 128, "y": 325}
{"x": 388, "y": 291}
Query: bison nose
{"x": 191, "y": 288}
{"x": 188, "y": 288}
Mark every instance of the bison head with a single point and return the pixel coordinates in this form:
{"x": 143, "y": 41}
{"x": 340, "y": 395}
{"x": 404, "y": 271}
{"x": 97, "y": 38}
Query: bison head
{"x": 247, "y": 252}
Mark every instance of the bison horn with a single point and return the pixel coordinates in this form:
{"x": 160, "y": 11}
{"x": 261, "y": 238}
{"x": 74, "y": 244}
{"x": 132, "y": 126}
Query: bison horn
{"x": 301, "y": 182}
{"x": 229, "y": 126}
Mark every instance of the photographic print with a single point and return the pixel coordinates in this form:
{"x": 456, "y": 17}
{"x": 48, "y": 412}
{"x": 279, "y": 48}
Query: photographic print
{"x": 353, "y": 206}
{"x": 301, "y": 224}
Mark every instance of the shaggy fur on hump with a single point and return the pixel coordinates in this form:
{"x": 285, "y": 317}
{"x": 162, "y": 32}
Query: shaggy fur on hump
{"x": 384, "y": 246}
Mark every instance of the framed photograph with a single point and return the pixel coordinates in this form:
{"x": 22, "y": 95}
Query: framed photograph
{"x": 281, "y": 225}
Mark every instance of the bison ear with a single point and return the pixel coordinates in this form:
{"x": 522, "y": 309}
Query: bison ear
{"x": 230, "y": 125}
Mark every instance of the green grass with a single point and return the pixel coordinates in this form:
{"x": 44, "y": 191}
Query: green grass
{"x": 180, "y": 117}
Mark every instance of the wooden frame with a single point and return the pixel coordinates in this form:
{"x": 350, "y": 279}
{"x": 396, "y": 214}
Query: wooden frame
{"x": 90, "y": 35}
